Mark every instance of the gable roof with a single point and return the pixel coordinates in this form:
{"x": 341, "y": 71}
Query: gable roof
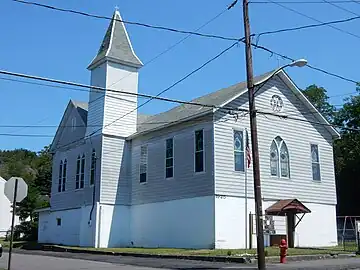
{"x": 116, "y": 45}
{"x": 316, "y": 113}
{"x": 186, "y": 111}
{"x": 81, "y": 108}
{"x": 220, "y": 98}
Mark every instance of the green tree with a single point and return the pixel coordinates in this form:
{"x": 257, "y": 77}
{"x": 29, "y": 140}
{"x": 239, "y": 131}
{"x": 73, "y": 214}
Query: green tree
{"x": 319, "y": 98}
{"x": 35, "y": 169}
{"x": 347, "y": 153}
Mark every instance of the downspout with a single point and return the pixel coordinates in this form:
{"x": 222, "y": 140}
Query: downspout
{"x": 93, "y": 195}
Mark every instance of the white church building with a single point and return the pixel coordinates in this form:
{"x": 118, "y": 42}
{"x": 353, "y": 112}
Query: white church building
{"x": 177, "y": 179}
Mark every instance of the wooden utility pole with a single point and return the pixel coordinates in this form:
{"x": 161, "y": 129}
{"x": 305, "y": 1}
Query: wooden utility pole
{"x": 254, "y": 140}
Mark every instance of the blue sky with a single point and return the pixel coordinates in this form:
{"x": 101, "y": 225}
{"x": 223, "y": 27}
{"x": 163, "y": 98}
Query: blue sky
{"x": 59, "y": 45}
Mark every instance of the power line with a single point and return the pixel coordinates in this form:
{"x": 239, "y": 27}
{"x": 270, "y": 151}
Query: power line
{"x": 307, "y": 121}
{"x": 307, "y": 26}
{"x": 125, "y": 22}
{"x": 272, "y": 52}
{"x": 255, "y": 45}
{"x": 340, "y": 7}
{"x": 26, "y": 135}
{"x": 68, "y": 83}
{"x": 180, "y": 41}
{"x": 312, "y": 18}
{"x": 168, "y": 88}
{"x": 304, "y": 2}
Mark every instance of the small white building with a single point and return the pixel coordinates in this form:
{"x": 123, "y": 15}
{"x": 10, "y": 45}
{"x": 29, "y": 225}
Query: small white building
{"x": 5, "y": 211}
{"x": 177, "y": 179}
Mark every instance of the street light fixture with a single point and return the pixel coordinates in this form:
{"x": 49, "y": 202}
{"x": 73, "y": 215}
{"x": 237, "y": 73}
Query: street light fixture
{"x": 297, "y": 63}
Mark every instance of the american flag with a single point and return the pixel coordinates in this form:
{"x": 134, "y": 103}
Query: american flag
{"x": 248, "y": 154}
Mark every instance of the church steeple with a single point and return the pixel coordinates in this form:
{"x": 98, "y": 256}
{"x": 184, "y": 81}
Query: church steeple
{"x": 116, "y": 46}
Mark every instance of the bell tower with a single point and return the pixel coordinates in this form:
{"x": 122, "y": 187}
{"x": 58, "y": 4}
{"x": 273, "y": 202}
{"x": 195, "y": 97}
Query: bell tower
{"x": 114, "y": 67}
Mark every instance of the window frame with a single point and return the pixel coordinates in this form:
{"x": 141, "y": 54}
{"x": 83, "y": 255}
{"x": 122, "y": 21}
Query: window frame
{"x": 73, "y": 123}
{"x": 60, "y": 176}
{"x": 146, "y": 164}
{"x": 82, "y": 171}
{"x": 278, "y": 147}
{"x": 244, "y": 148}
{"x": 319, "y": 165}
{"x": 203, "y": 151}
{"x": 77, "y": 175}
{"x": 92, "y": 168}
{"x": 167, "y": 158}
{"x": 64, "y": 175}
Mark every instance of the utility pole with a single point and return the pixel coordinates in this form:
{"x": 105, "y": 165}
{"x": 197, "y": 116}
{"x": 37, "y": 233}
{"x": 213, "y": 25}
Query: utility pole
{"x": 254, "y": 140}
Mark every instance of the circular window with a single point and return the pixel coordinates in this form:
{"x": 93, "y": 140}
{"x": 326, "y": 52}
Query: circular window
{"x": 276, "y": 103}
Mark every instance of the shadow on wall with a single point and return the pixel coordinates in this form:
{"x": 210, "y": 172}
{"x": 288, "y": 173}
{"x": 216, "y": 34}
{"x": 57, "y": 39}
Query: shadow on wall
{"x": 115, "y": 220}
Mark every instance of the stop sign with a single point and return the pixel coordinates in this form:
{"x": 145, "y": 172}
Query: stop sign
{"x": 22, "y": 189}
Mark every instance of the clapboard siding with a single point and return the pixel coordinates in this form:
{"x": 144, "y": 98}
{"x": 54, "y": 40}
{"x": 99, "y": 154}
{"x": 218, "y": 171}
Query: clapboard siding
{"x": 298, "y": 137}
{"x": 185, "y": 183}
{"x": 115, "y": 186}
{"x": 119, "y": 105}
{"x": 68, "y": 134}
{"x": 71, "y": 197}
{"x": 96, "y": 100}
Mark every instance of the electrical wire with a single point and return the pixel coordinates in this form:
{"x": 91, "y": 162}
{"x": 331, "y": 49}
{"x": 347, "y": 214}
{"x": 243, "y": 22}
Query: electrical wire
{"x": 307, "y": 26}
{"x": 126, "y": 22}
{"x": 272, "y": 52}
{"x": 131, "y": 93}
{"x": 340, "y": 7}
{"x": 304, "y": 2}
{"x": 179, "y": 42}
{"x": 313, "y": 19}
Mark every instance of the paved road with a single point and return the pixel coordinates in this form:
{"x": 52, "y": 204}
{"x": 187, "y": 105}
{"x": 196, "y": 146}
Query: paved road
{"x": 39, "y": 260}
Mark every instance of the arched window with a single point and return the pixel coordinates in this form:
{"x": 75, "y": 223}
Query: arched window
{"x": 279, "y": 158}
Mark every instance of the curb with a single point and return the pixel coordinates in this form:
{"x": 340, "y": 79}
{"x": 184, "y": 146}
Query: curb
{"x": 224, "y": 259}
{"x": 297, "y": 258}
{"x": 145, "y": 255}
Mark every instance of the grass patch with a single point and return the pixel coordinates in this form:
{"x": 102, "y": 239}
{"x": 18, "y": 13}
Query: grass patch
{"x": 270, "y": 251}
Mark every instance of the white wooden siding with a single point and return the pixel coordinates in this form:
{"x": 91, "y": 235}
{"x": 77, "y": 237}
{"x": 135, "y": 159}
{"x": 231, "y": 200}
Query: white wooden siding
{"x": 71, "y": 197}
{"x": 185, "y": 183}
{"x": 96, "y": 100}
{"x": 120, "y": 78}
{"x": 115, "y": 187}
{"x": 68, "y": 134}
{"x": 298, "y": 137}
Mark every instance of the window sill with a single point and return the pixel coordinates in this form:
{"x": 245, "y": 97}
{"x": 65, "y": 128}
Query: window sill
{"x": 143, "y": 183}
{"x": 239, "y": 172}
{"x": 199, "y": 173}
{"x": 316, "y": 181}
{"x": 280, "y": 177}
{"x": 169, "y": 178}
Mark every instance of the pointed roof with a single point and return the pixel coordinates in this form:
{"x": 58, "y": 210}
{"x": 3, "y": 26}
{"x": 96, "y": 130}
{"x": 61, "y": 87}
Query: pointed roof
{"x": 116, "y": 45}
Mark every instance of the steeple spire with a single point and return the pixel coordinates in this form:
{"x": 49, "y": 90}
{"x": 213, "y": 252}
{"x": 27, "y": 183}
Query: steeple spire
{"x": 116, "y": 45}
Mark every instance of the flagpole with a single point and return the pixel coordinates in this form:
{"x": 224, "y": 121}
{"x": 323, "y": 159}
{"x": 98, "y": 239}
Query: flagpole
{"x": 246, "y": 202}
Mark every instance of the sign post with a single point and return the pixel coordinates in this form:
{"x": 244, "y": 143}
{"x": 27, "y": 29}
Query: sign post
{"x": 357, "y": 224}
{"x": 15, "y": 190}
